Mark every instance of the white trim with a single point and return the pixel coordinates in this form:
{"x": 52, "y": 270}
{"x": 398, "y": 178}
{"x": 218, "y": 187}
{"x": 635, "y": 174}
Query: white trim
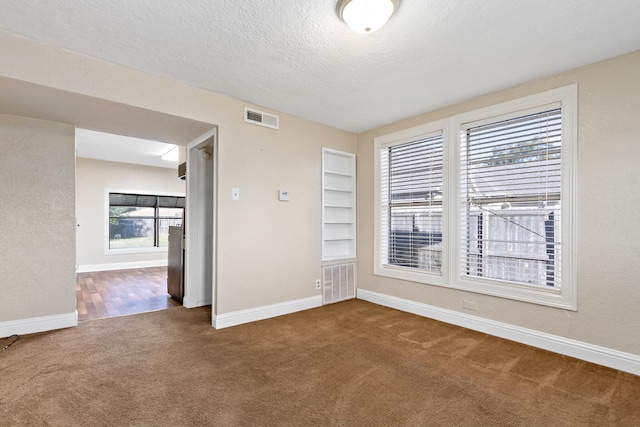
{"x": 604, "y": 356}
{"x": 196, "y": 287}
{"x": 265, "y": 312}
{"x": 195, "y": 302}
{"x": 121, "y": 266}
{"x": 566, "y": 296}
{"x": 38, "y": 324}
{"x": 452, "y": 276}
{"x": 428, "y": 130}
{"x": 130, "y": 251}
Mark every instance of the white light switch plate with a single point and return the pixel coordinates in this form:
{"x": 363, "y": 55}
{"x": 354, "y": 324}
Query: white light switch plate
{"x": 283, "y": 195}
{"x": 235, "y": 194}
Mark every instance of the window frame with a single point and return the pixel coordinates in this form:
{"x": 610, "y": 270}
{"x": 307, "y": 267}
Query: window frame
{"x": 452, "y": 129}
{"x": 398, "y": 138}
{"x": 120, "y": 251}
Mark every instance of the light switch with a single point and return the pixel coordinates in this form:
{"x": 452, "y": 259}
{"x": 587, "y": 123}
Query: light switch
{"x": 235, "y": 194}
{"x": 283, "y": 195}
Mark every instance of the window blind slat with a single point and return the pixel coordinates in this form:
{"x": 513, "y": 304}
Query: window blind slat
{"x": 511, "y": 198}
{"x": 412, "y": 204}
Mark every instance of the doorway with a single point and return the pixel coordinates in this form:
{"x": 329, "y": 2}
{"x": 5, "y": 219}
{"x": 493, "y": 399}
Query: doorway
{"x": 200, "y": 222}
{"x": 126, "y": 280}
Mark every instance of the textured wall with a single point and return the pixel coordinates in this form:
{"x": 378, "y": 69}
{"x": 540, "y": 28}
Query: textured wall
{"x": 37, "y": 230}
{"x": 608, "y": 206}
{"x": 93, "y": 178}
{"x": 268, "y": 251}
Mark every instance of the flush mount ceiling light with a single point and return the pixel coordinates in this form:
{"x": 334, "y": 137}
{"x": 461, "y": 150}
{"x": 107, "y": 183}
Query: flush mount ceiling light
{"x": 366, "y": 16}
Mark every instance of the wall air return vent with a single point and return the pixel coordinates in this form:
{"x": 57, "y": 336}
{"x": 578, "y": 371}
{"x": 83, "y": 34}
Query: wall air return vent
{"x": 339, "y": 282}
{"x": 261, "y": 118}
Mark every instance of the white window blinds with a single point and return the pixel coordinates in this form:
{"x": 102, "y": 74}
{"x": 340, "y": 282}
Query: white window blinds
{"x": 511, "y": 196}
{"x": 411, "y": 204}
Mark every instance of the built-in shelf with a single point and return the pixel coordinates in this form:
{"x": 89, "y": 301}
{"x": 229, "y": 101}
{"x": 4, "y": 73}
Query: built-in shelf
{"x": 338, "y": 173}
{"x": 338, "y": 189}
{"x": 338, "y": 205}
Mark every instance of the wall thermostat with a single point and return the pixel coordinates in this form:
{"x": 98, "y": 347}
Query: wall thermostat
{"x": 283, "y": 195}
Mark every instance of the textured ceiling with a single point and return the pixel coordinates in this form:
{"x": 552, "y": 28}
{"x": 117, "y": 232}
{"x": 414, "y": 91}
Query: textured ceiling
{"x": 297, "y": 57}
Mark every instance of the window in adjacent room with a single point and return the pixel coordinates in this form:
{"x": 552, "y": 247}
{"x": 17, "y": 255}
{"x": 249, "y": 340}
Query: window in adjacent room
{"x": 141, "y": 221}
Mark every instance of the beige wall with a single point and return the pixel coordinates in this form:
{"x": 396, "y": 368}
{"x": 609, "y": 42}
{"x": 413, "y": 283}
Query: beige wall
{"x": 268, "y": 251}
{"x": 608, "y": 207}
{"x": 93, "y": 179}
{"x": 37, "y": 230}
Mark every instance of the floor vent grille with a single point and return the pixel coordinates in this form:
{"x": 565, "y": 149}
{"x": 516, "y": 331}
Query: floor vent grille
{"x": 339, "y": 282}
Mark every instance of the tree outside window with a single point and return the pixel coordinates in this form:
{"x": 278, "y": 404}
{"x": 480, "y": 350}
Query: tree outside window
{"x": 142, "y": 221}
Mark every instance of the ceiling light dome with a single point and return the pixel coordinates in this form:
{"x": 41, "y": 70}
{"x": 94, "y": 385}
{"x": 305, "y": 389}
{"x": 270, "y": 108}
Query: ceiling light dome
{"x": 366, "y": 16}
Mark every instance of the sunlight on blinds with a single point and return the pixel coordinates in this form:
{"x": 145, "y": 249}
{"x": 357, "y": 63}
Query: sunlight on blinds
{"x": 411, "y": 195}
{"x": 511, "y": 197}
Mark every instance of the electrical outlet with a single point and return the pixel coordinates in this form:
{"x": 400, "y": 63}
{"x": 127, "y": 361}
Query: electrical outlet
{"x": 317, "y": 283}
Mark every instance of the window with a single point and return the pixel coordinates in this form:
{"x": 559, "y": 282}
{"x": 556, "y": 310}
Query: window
{"x": 496, "y": 204}
{"x": 141, "y": 221}
{"x": 412, "y": 203}
{"x": 511, "y": 198}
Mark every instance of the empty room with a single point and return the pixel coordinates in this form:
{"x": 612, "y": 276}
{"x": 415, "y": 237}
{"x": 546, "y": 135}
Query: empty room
{"x": 395, "y": 212}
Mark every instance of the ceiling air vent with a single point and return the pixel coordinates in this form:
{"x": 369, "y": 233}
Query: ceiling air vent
{"x": 261, "y": 118}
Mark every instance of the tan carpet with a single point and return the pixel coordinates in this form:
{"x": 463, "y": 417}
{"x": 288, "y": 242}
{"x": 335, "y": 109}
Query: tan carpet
{"x": 348, "y": 364}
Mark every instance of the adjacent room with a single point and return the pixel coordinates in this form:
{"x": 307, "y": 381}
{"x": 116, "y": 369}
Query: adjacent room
{"x": 393, "y": 212}
{"x": 129, "y": 195}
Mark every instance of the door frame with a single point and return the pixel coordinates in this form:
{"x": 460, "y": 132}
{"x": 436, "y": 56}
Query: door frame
{"x": 198, "y": 289}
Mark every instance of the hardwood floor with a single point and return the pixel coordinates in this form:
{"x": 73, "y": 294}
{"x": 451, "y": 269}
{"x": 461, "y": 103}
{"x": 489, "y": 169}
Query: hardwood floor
{"x": 115, "y": 293}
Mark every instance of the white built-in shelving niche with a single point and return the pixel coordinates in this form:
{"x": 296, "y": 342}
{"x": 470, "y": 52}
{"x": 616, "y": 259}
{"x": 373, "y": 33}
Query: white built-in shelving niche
{"x": 338, "y": 205}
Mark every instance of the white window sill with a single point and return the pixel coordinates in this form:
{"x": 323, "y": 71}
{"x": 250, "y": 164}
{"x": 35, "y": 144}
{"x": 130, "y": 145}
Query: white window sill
{"x": 126, "y": 251}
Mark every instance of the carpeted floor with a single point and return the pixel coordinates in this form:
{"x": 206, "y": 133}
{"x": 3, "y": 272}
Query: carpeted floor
{"x": 347, "y": 364}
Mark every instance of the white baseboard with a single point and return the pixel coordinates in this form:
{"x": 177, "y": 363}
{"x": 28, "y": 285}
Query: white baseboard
{"x": 120, "y": 266}
{"x": 615, "y": 359}
{"x": 38, "y": 324}
{"x": 189, "y": 303}
{"x": 265, "y": 312}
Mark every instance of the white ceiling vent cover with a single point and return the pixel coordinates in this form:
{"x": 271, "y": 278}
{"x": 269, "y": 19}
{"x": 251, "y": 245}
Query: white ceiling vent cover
{"x": 261, "y": 118}
{"x": 339, "y": 282}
